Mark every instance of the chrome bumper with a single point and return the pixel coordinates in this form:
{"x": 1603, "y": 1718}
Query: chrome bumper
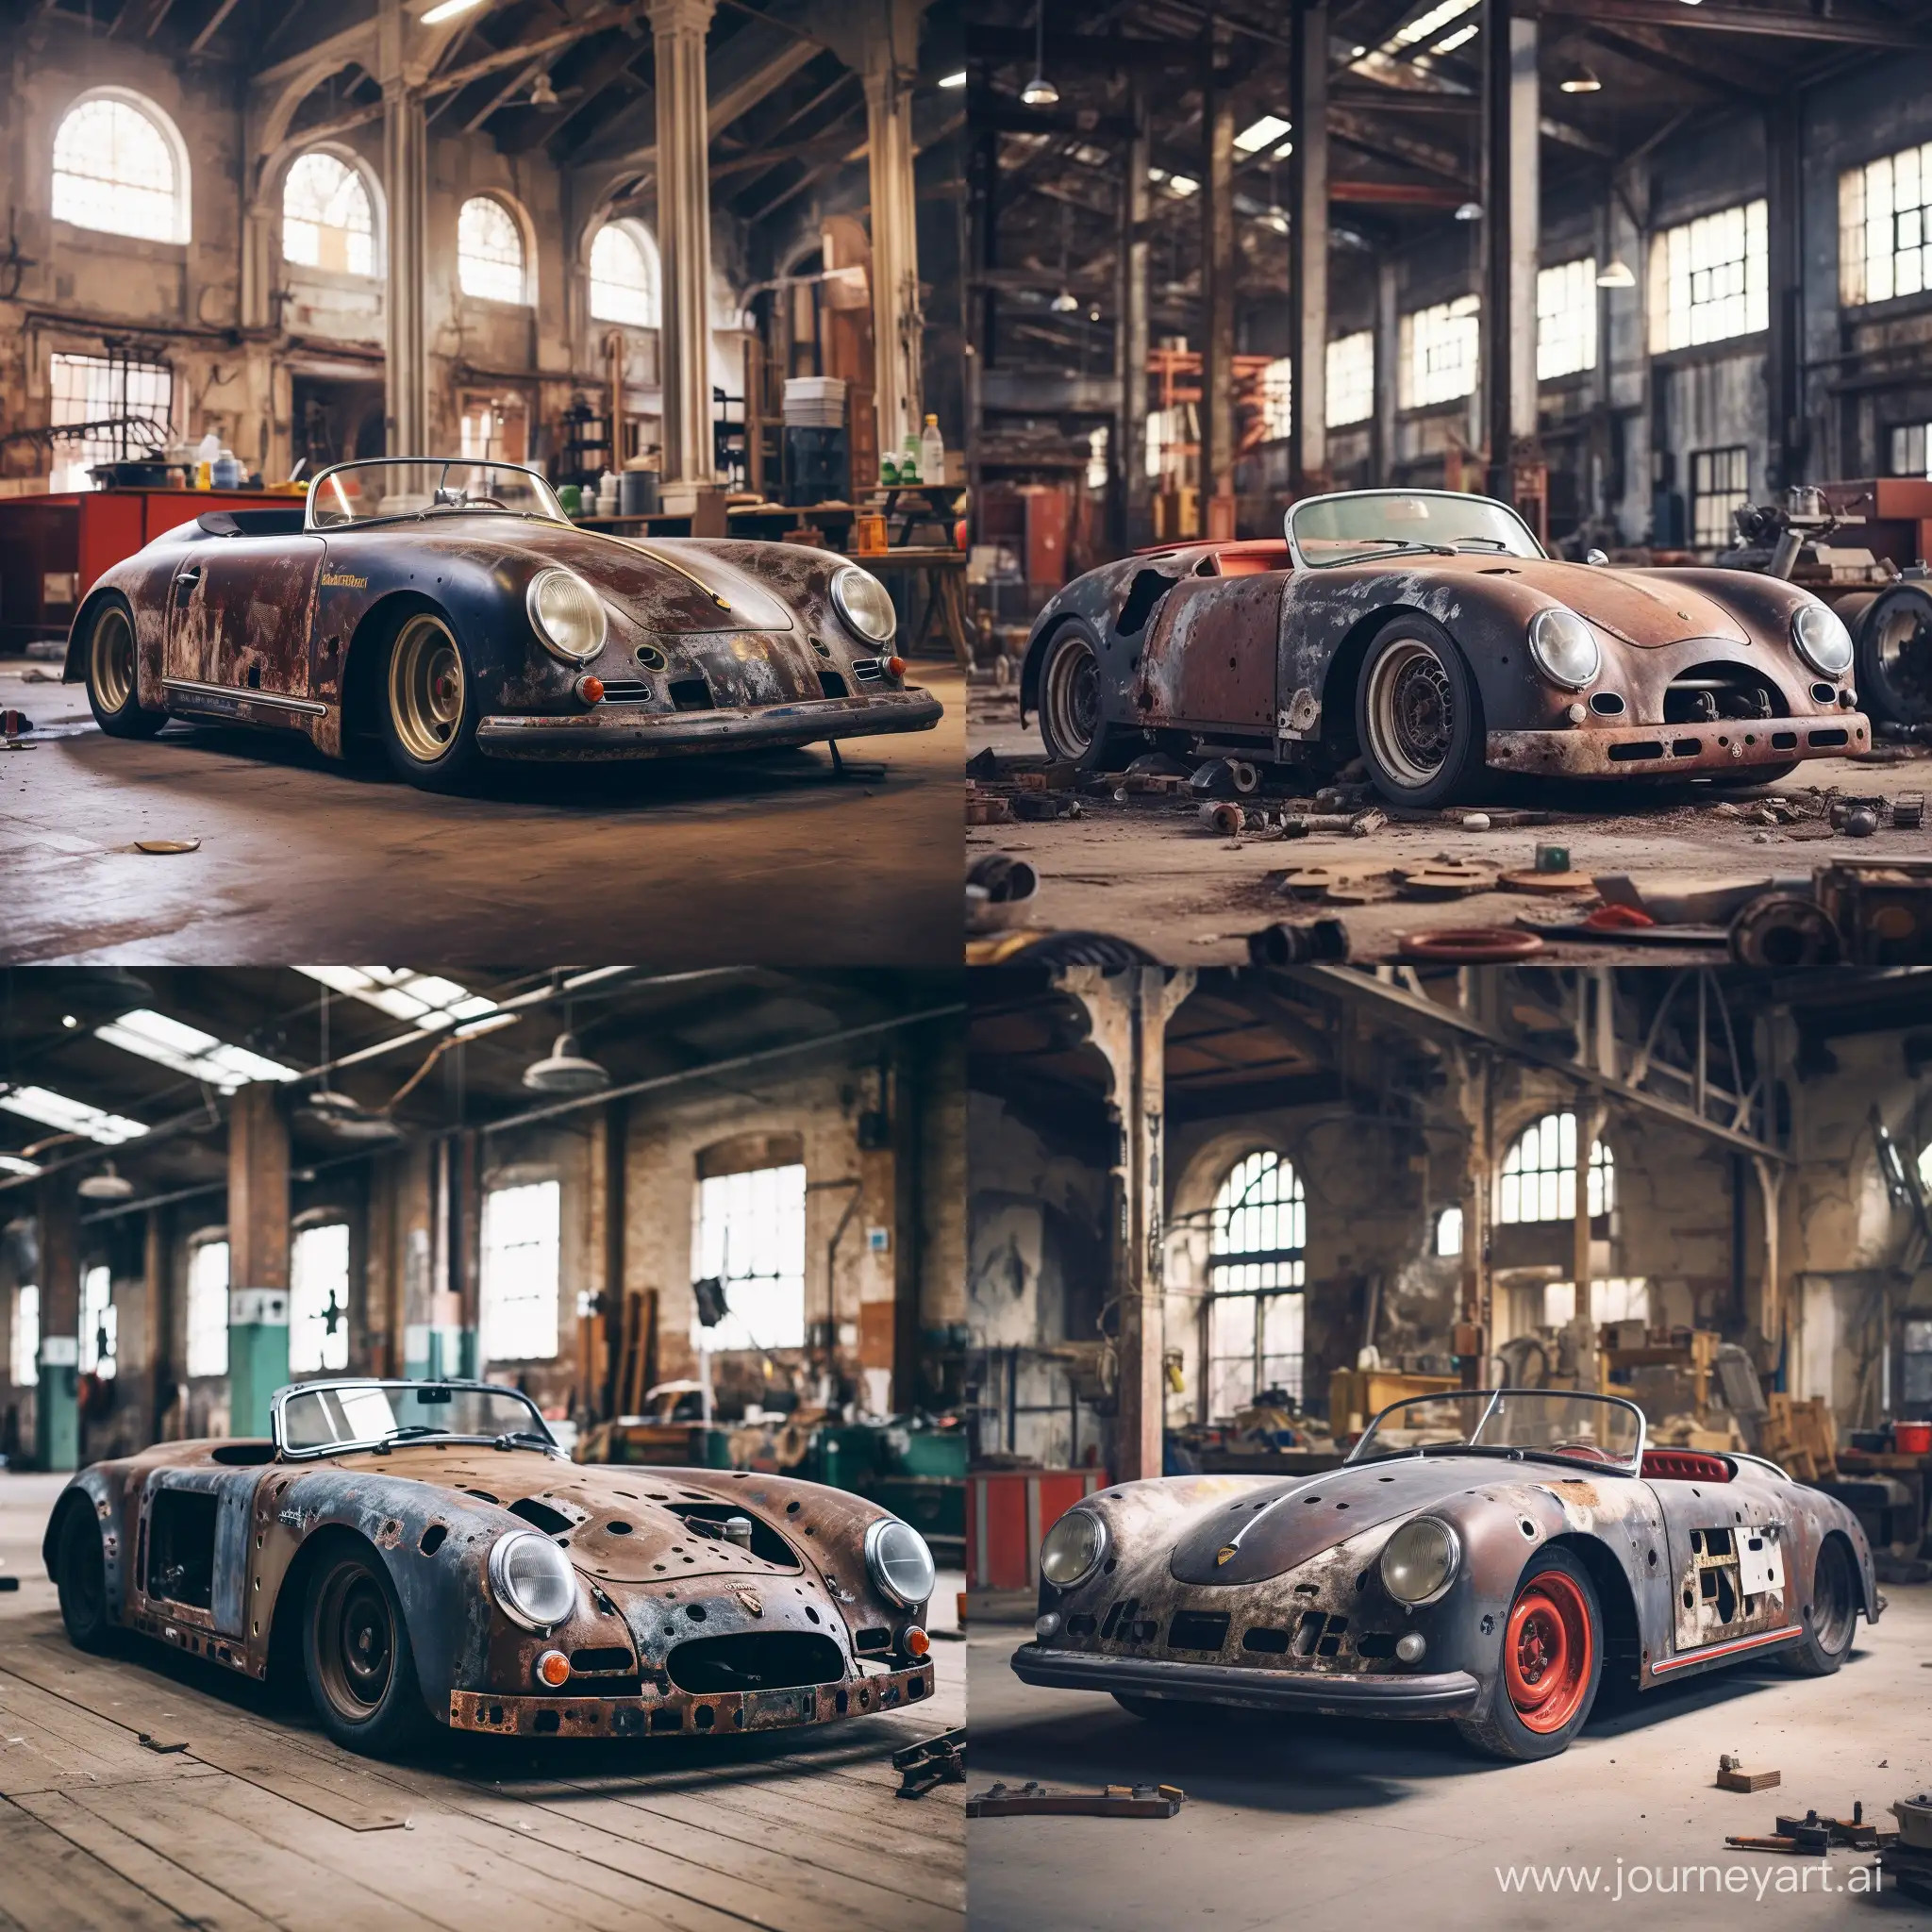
{"x": 627, "y": 731}
{"x": 1678, "y": 750}
{"x": 1443, "y": 1694}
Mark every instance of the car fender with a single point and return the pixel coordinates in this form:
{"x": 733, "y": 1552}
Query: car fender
{"x": 98, "y": 1491}
{"x": 1096, "y": 596}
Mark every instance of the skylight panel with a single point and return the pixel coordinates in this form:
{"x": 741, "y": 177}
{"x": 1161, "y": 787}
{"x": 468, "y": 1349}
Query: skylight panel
{"x": 70, "y": 1116}
{"x": 189, "y": 1050}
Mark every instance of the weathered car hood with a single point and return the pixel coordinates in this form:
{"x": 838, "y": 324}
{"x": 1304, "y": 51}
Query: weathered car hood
{"x": 1631, "y": 605}
{"x": 1290, "y": 1523}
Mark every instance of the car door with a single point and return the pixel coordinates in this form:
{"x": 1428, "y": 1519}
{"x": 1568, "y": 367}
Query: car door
{"x": 240, "y": 612}
{"x": 1728, "y": 1553}
{"x": 1208, "y": 663}
{"x": 193, "y": 1545}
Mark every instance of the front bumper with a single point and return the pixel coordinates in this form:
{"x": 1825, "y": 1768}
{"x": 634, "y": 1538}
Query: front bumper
{"x": 686, "y": 1713}
{"x": 624, "y": 731}
{"x": 1678, "y": 750}
{"x": 1443, "y": 1694}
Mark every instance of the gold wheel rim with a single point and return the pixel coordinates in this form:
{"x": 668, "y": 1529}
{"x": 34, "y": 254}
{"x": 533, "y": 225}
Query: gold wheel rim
{"x": 425, "y": 688}
{"x": 111, "y": 662}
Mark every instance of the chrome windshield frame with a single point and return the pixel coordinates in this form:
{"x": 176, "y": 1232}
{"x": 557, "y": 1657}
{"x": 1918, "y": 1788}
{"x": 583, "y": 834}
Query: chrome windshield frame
{"x": 311, "y": 527}
{"x": 1495, "y": 1395}
{"x": 279, "y": 1401}
{"x": 1297, "y": 560}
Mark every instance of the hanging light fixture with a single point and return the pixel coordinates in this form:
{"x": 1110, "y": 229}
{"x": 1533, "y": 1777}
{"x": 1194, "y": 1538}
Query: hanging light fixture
{"x": 1616, "y": 275}
{"x": 542, "y": 93}
{"x": 107, "y": 1185}
{"x": 566, "y": 1070}
{"x": 1039, "y": 91}
{"x": 1470, "y": 212}
{"x": 1578, "y": 79}
{"x": 1065, "y": 302}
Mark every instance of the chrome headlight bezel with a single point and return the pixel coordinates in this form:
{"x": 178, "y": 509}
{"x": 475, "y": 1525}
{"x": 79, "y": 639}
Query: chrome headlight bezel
{"x": 1544, "y": 644}
{"x": 845, "y": 583}
{"x": 1074, "y": 1521}
{"x": 877, "y": 1562}
{"x": 1812, "y": 615}
{"x": 1451, "y": 1557}
{"x": 504, "y": 1589}
{"x": 533, "y": 606}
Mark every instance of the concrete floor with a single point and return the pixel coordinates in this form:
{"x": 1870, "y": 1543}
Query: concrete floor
{"x": 1146, "y": 871}
{"x": 1326, "y": 1822}
{"x": 261, "y": 1822}
{"x": 681, "y": 863}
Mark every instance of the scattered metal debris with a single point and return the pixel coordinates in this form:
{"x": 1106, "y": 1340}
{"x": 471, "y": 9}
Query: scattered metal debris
{"x": 1471, "y": 945}
{"x": 1000, "y": 891}
{"x": 1321, "y": 941}
{"x": 1115, "y": 1801}
{"x": 163, "y": 846}
{"x": 934, "y": 1761}
{"x": 1813, "y": 1836}
{"x": 166, "y": 1747}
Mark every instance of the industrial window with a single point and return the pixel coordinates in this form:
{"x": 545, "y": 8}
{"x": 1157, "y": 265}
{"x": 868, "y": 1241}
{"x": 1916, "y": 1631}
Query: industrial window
{"x": 1709, "y": 278}
{"x": 1915, "y": 1369}
{"x": 1566, "y": 319}
{"x": 1439, "y": 348}
{"x": 24, "y": 1369}
{"x": 750, "y": 1235}
{"x": 1449, "y": 1231}
{"x": 319, "y": 1299}
{"x": 623, "y": 276}
{"x": 1539, "y": 1174}
{"x": 489, "y": 251}
{"x": 1909, "y": 450}
{"x": 120, "y": 168}
{"x": 1256, "y": 1232}
{"x": 1351, "y": 378}
{"x": 326, "y": 222}
{"x": 208, "y": 1309}
{"x": 99, "y": 389}
{"x": 1615, "y": 1300}
{"x": 1720, "y": 483}
{"x": 1884, "y": 227}
{"x": 1277, "y": 399}
{"x": 521, "y": 1241}
{"x": 98, "y": 1332}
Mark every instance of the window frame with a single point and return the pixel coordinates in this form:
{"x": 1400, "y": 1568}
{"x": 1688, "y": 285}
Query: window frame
{"x": 1561, "y": 281}
{"x": 488, "y": 1353}
{"x": 372, "y": 191}
{"x": 1700, "y": 494}
{"x": 703, "y": 1251}
{"x": 193, "y": 1331}
{"x": 93, "y": 1359}
{"x": 321, "y": 1222}
{"x": 1601, "y": 1185}
{"x": 1447, "y": 320}
{"x": 526, "y": 244}
{"x": 21, "y": 1354}
{"x": 151, "y": 111}
{"x": 1855, "y": 218}
{"x": 645, "y": 242}
{"x": 1755, "y": 294}
{"x": 1289, "y": 1258}
{"x": 1334, "y": 388}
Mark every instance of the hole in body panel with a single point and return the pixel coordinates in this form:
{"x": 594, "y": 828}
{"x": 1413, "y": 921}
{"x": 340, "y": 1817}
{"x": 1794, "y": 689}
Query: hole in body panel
{"x": 755, "y": 1660}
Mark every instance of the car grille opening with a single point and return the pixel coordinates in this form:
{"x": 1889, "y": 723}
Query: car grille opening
{"x": 832, "y": 684}
{"x": 755, "y": 1660}
{"x": 692, "y": 694}
{"x": 1197, "y": 1630}
{"x": 1375, "y": 1643}
{"x": 1633, "y": 754}
{"x": 1832, "y": 737}
{"x": 626, "y": 690}
{"x": 1706, "y": 693}
{"x": 540, "y": 1516}
{"x": 1270, "y": 1642}
{"x": 868, "y": 670}
{"x": 609, "y": 1656}
{"x": 1607, "y": 703}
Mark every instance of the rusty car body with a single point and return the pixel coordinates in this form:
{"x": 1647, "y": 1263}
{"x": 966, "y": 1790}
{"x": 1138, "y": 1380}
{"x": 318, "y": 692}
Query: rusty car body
{"x": 1427, "y": 632}
{"x": 466, "y": 1571}
{"x": 1495, "y": 1558}
{"x": 452, "y": 612}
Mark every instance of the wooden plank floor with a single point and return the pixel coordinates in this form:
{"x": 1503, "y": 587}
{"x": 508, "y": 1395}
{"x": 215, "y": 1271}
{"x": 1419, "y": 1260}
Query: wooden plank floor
{"x": 260, "y": 1821}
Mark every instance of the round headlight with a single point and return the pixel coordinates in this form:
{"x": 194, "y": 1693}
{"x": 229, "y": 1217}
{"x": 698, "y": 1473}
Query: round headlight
{"x": 865, "y": 605}
{"x": 1073, "y": 1545}
{"x": 898, "y": 1562}
{"x": 566, "y": 614}
{"x": 1821, "y": 639}
{"x": 1565, "y": 648}
{"x": 532, "y": 1580}
{"x": 1419, "y": 1560}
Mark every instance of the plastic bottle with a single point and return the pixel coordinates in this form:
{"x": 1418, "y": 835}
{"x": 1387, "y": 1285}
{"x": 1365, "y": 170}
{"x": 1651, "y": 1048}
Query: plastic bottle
{"x": 205, "y": 461}
{"x": 932, "y": 452}
{"x": 888, "y": 469}
{"x": 909, "y": 459}
{"x": 225, "y": 473}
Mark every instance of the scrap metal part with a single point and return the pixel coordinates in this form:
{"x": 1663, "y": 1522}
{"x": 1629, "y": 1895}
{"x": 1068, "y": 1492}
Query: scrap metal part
{"x": 933, "y": 1761}
{"x": 1630, "y": 750}
{"x": 1032, "y": 1800}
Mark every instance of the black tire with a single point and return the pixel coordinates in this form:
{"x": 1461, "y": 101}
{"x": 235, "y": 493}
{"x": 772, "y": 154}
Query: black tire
{"x": 1418, "y": 717}
{"x": 108, "y": 662}
{"x": 431, "y": 702}
{"x": 356, "y": 1656}
{"x": 1891, "y": 655}
{"x": 1503, "y": 1733}
{"x": 1830, "y": 1618}
{"x": 1070, "y": 725}
{"x": 82, "y": 1579}
{"x": 1174, "y": 1712}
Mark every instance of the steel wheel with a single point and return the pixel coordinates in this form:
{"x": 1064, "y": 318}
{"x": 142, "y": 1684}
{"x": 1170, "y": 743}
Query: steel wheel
{"x": 355, "y": 1641}
{"x": 425, "y": 687}
{"x": 111, "y": 660}
{"x": 1069, "y": 696}
{"x": 1411, "y": 711}
{"x": 1548, "y": 1651}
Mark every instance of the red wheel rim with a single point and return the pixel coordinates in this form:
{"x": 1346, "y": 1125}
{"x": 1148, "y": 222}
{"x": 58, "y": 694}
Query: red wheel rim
{"x": 1471, "y": 945}
{"x": 1548, "y": 1648}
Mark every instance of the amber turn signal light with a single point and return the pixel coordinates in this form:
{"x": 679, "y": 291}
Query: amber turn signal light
{"x": 591, "y": 690}
{"x": 553, "y": 1668}
{"x": 915, "y": 1642}
{"x": 896, "y": 666}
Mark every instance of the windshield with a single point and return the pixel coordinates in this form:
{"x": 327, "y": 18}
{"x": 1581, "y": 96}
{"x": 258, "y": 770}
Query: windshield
{"x": 425, "y": 487}
{"x": 1330, "y": 530}
{"x": 317, "y": 1417}
{"x": 1595, "y": 1429}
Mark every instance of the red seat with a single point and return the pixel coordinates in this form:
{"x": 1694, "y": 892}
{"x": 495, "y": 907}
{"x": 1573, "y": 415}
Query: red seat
{"x": 1684, "y": 1466}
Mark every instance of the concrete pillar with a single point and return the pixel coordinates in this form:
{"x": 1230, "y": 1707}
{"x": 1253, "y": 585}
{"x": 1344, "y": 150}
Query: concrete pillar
{"x": 1387, "y": 373}
{"x": 1130, "y": 337}
{"x": 1784, "y": 348}
{"x": 1217, "y": 291}
{"x": 1510, "y": 219}
{"x": 683, "y": 235}
{"x": 1308, "y": 256}
{"x": 1474, "y": 1325}
{"x": 57, "y": 1412}
{"x": 891, "y": 55}
{"x": 1130, "y": 1012}
{"x": 258, "y": 1255}
{"x": 405, "y": 175}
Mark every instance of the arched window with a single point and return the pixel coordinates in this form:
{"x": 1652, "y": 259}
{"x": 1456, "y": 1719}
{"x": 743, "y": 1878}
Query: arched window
{"x": 319, "y": 1299}
{"x": 489, "y": 251}
{"x": 121, "y": 168}
{"x": 327, "y": 220}
{"x": 1257, "y": 1233}
{"x": 623, "y": 276}
{"x": 1539, "y": 1174}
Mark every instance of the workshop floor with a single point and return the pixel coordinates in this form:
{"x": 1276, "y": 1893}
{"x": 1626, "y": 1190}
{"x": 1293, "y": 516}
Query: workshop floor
{"x": 1321, "y": 1822}
{"x": 1145, "y": 869}
{"x": 680, "y": 863}
{"x": 262, "y": 1822}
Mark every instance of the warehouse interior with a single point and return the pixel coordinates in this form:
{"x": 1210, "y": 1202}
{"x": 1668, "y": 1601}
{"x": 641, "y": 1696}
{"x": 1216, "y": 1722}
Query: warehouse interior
{"x": 708, "y": 1219}
{"x": 1218, "y": 1220}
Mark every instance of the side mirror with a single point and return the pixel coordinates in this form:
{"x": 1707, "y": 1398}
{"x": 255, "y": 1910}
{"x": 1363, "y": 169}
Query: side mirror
{"x": 1596, "y": 557}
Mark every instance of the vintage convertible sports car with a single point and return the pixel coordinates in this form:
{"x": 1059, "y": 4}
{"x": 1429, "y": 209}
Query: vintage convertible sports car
{"x": 1500, "y": 1558}
{"x": 1427, "y": 632}
{"x": 453, "y": 611}
{"x": 423, "y": 1550}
